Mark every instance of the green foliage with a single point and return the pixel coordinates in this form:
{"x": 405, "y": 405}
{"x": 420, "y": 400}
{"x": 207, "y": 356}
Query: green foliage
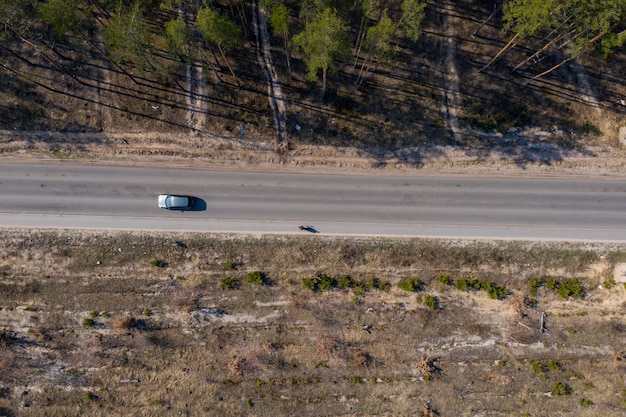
{"x": 325, "y": 282}
{"x": 147, "y": 312}
{"x": 158, "y": 263}
{"x": 584, "y": 402}
{"x": 412, "y": 17}
{"x": 230, "y": 266}
{"x": 571, "y": 288}
{"x": 106, "y": 314}
{"x": 128, "y": 37}
{"x": 322, "y": 42}
{"x": 256, "y": 278}
{"x": 178, "y": 35}
{"x": 552, "y": 284}
{"x": 87, "y": 397}
{"x": 30, "y": 308}
{"x": 537, "y": 367}
{"x": 378, "y": 38}
{"x": 93, "y": 314}
{"x": 410, "y": 284}
{"x": 554, "y": 366}
{"x": 218, "y": 29}
{"x": 355, "y": 379}
{"x": 560, "y": 388}
{"x": 535, "y": 283}
{"x": 431, "y": 302}
{"x": 249, "y": 402}
{"x": 88, "y": 322}
{"x": 465, "y": 284}
{"x": 310, "y": 283}
{"x": 229, "y": 283}
{"x": 64, "y": 16}
{"x": 444, "y": 279}
{"x": 609, "y": 283}
{"x": 279, "y": 19}
{"x": 376, "y": 284}
{"x": 345, "y": 281}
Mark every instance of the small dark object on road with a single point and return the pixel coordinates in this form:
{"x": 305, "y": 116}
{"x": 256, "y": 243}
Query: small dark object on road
{"x": 308, "y": 229}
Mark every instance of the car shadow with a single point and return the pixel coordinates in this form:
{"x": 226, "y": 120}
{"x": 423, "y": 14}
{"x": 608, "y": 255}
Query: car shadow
{"x": 198, "y": 205}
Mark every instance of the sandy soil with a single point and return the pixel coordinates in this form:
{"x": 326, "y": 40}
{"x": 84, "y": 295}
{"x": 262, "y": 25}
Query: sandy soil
{"x": 226, "y": 152}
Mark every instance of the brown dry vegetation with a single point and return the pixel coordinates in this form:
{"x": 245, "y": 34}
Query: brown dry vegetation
{"x": 170, "y": 341}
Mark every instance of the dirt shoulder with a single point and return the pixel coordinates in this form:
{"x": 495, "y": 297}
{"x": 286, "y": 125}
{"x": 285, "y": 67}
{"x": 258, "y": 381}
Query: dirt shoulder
{"x": 227, "y": 152}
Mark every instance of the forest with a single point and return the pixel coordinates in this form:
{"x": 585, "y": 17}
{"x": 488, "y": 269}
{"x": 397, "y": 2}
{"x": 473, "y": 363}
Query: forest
{"x": 380, "y": 73}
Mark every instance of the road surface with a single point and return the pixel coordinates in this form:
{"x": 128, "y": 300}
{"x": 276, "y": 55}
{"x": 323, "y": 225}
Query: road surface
{"x": 80, "y": 196}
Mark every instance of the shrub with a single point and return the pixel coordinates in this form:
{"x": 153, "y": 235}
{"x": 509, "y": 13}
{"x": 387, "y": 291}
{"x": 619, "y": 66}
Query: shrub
{"x": 158, "y": 263}
{"x": 384, "y": 286}
{"x": 410, "y": 284}
{"x": 552, "y": 284}
{"x": 123, "y": 324}
{"x": 584, "y": 402}
{"x": 310, "y": 283}
{"x": 444, "y": 279}
{"x": 467, "y": 284}
{"x": 325, "y": 282}
{"x": 93, "y": 314}
{"x": 147, "y": 312}
{"x": 571, "y": 288}
{"x": 497, "y": 293}
{"x": 535, "y": 283}
{"x": 229, "y": 283}
{"x": 345, "y": 281}
{"x": 230, "y": 266}
{"x": 609, "y": 283}
{"x": 88, "y": 322}
{"x": 256, "y": 278}
{"x": 106, "y": 314}
{"x": 431, "y": 302}
{"x": 30, "y": 308}
{"x": 536, "y": 367}
{"x": 87, "y": 397}
{"x": 554, "y": 366}
{"x": 372, "y": 283}
{"x": 560, "y": 388}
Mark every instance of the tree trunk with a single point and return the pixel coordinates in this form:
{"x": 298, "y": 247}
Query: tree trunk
{"x": 548, "y": 71}
{"x": 505, "y": 48}
{"x": 496, "y": 9}
{"x": 228, "y": 65}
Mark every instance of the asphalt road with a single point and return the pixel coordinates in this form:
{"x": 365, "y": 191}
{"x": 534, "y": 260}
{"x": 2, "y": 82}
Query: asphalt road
{"x": 67, "y": 196}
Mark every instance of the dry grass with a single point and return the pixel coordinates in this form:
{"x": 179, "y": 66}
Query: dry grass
{"x": 207, "y": 351}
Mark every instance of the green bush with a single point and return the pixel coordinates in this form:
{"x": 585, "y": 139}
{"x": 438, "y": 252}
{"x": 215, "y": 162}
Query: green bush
{"x": 384, "y": 286}
{"x": 372, "y": 283}
{"x": 88, "y": 322}
{"x": 571, "y": 288}
{"x": 310, "y": 283}
{"x": 535, "y": 283}
{"x": 585, "y": 403}
{"x": 158, "y": 263}
{"x": 325, "y": 282}
{"x": 256, "y": 278}
{"x": 537, "y": 367}
{"x": 554, "y": 366}
{"x": 609, "y": 283}
{"x": 461, "y": 284}
{"x": 147, "y": 312}
{"x": 497, "y": 293}
{"x": 229, "y": 283}
{"x": 410, "y": 284}
{"x": 345, "y": 281}
{"x": 230, "y": 266}
{"x": 444, "y": 279}
{"x": 560, "y": 388}
{"x": 431, "y": 302}
{"x": 93, "y": 314}
{"x": 552, "y": 284}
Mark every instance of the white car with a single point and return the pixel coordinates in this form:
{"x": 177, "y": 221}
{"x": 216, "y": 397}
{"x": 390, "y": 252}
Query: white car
{"x": 175, "y": 202}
